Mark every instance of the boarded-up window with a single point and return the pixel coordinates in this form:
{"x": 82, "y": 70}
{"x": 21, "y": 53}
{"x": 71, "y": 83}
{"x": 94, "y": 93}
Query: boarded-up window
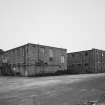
{"x": 42, "y": 50}
{"x": 102, "y": 54}
{"x": 50, "y": 53}
{"x": 23, "y": 54}
{"x": 4, "y": 59}
{"x": 62, "y": 59}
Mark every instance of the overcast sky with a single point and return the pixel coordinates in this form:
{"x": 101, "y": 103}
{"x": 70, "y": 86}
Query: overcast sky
{"x": 72, "y": 24}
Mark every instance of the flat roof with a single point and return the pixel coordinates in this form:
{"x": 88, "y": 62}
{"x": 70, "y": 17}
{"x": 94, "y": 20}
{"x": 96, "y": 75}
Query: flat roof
{"x": 86, "y": 50}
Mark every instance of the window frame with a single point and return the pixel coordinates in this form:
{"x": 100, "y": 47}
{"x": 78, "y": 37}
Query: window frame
{"x": 62, "y": 59}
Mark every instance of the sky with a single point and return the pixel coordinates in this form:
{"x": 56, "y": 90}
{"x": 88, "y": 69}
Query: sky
{"x": 72, "y": 24}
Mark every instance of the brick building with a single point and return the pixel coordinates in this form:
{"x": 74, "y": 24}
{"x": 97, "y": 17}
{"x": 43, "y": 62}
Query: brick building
{"x": 89, "y": 61}
{"x": 1, "y": 53}
{"x": 33, "y": 59}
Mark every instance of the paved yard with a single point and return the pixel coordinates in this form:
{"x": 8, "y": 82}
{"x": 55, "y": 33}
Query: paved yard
{"x": 54, "y": 90}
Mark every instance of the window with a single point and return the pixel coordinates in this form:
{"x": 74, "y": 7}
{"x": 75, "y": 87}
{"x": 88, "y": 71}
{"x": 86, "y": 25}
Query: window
{"x": 79, "y": 64}
{"x": 27, "y": 50}
{"x": 50, "y": 59}
{"x": 97, "y": 52}
{"x": 73, "y": 55}
{"x": 42, "y": 50}
{"x": 86, "y": 64}
{"x": 102, "y": 54}
{"x": 98, "y": 62}
{"x": 23, "y": 54}
{"x": 62, "y": 59}
{"x": 4, "y": 59}
{"x": 86, "y": 53}
{"x": 50, "y": 53}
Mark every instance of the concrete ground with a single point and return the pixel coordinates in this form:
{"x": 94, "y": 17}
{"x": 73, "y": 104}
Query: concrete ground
{"x": 53, "y": 90}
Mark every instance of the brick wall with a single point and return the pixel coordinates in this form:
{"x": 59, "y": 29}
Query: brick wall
{"x": 26, "y": 58}
{"x": 49, "y": 64}
{"x": 90, "y": 61}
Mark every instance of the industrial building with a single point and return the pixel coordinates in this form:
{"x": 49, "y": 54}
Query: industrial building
{"x": 1, "y": 53}
{"x": 34, "y": 59}
{"x": 89, "y": 61}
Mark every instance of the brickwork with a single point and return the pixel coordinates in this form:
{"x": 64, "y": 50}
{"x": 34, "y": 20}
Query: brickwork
{"x": 89, "y": 61}
{"x": 32, "y": 59}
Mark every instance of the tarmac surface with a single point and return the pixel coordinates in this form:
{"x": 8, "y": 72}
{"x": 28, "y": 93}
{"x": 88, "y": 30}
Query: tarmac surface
{"x": 52, "y": 90}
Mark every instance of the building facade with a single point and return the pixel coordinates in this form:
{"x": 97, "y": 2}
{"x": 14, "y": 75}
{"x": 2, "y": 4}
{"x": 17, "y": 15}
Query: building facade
{"x": 34, "y": 59}
{"x": 1, "y": 53}
{"x": 89, "y": 61}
